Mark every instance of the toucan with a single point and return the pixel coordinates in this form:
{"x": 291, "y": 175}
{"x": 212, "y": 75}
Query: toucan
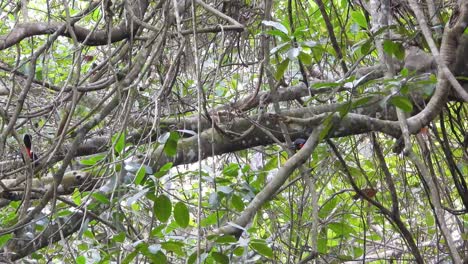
{"x": 298, "y": 144}
{"x": 27, "y": 140}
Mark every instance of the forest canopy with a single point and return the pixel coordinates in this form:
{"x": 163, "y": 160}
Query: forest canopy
{"x": 233, "y": 131}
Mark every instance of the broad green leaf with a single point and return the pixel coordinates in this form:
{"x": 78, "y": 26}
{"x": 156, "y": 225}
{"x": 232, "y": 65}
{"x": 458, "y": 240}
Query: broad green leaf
{"x": 170, "y": 146}
{"x": 80, "y": 260}
{"x": 76, "y": 196}
{"x": 395, "y": 49}
{"x": 276, "y": 25}
{"x": 341, "y": 228}
{"x": 220, "y": 257}
{"x": 4, "y": 239}
{"x": 328, "y": 207}
{"x": 281, "y": 68}
{"x": 162, "y": 208}
{"x": 231, "y": 170}
{"x": 101, "y": 198}
{"x": 402, "y": 102}
{"x": 305, "y": 58}
{"x": 174, "y": 246}
{"x": 119, "y": 238}
{"x": 322, "y": 241}
{"x": 359, "y": 18}
{"x": 181, "y": 214}
{"x": 226, "y": 239}
{"x": 262, "y": 248}
{"x": 271, "y": 164}
{"x": 237, "y": 203}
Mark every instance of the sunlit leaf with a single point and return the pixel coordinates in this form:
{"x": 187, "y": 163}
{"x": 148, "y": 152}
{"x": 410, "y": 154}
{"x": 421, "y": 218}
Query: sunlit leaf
{"x": 293, "y": 53}
{"x": 359, "y": 18}
{"x": 276, "y": 25}
{"x": 4, "y": 239}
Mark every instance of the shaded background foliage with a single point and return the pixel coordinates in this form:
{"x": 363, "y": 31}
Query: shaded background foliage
{"x": 123, "y": 98}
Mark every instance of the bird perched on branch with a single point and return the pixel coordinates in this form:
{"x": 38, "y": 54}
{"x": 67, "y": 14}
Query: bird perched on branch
{"x": 27, "y": 140}
{"x": 298, "y": 144}
{"x": 369, "y": 192}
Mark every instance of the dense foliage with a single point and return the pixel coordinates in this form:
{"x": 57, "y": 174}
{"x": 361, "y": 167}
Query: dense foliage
{"x": 164, "y": 131}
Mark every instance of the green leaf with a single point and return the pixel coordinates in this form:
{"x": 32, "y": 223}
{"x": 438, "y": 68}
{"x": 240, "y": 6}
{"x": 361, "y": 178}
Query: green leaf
{"x": 281, "y": 69}
{"x": 140, "y": 175}
{"x": 220, "y": 257}
{"x": 93, "y": 160}
{"x": 328, "y": 207}
{"x": 128, "y": 259}
{"x": 281, "y": 46}
{"x": 362, "y": 101}
{"x": 174, "y": 246}
{"x": 119, "y": 238}
{"x": 326, "y": 85}
{"x": 76, "y": 196}
{"x": 262, "y": 248}
{"x": 101, "y": 198}
{"x": 163, "y": 170}
{"x": 162, "y": 208}
{"x": 404, "y": 72}
{"x": 366, "y": 47}
{"x": 399, "y": 51}
{"x": 80, "y": 260}
{"x": 226, "y": 239}
{"x": 341, "y": 228}
{"x": 402, "y": 102}
{"x": 395, "y": 49}
{"x": 271, "y": 164}
{"x": 276, "y": 25}
{"x": 181, "y": 214}
{"x": 322, "y": 241}
{"x": 118, "y": 141}
{"x": 359, "y": 18}
{"x": 170, "y": 147}
{"x": 305, "y": 58}
{"x": 237, "y": 203}
{"x": 4, "y": 239}
{"x": 211, "y": 219}
{"x": 231, "y": 170}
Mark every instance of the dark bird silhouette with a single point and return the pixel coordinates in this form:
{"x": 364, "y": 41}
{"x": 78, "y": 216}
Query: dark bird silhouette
{"x": 298, "y": 144}
{"x": 369, "y": 192}
{"x": 27, "y": 140}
